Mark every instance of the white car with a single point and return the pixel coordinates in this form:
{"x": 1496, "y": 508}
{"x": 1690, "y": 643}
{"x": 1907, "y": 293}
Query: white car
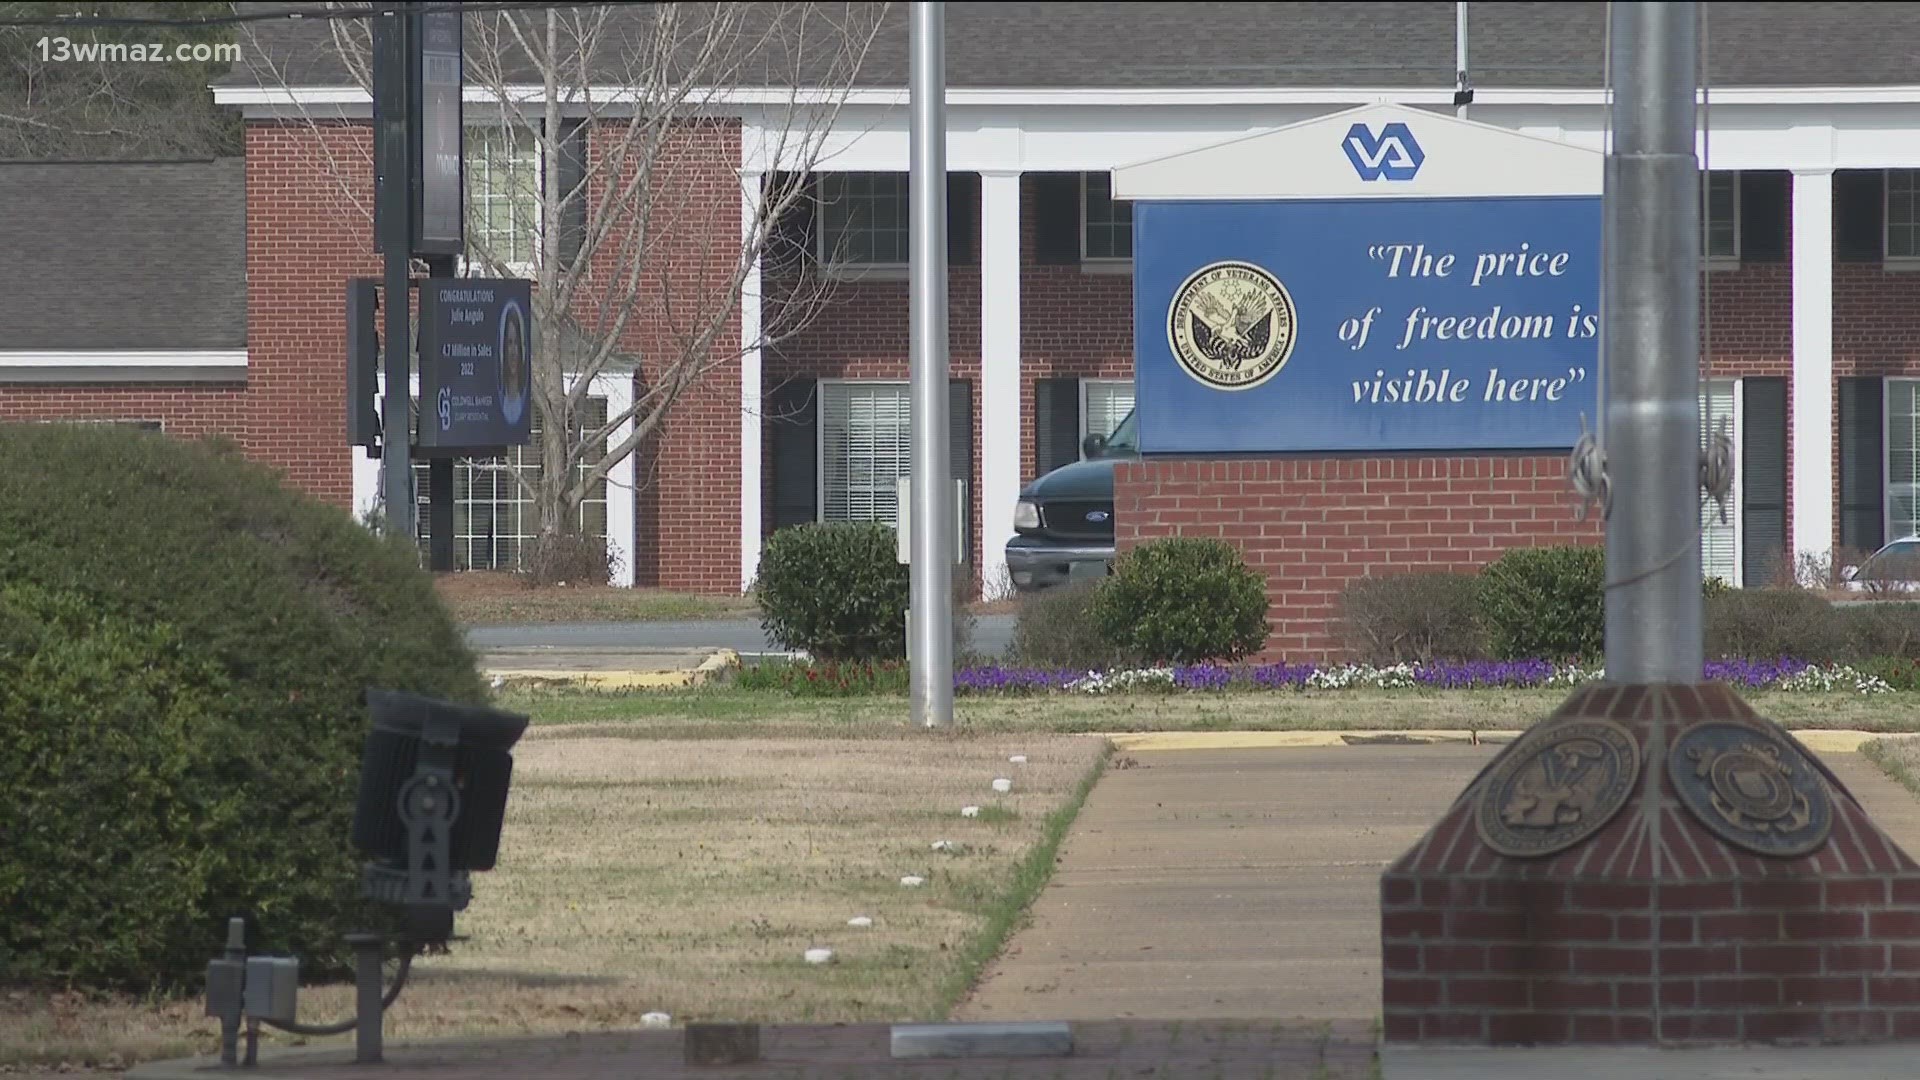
{"x": 1895, "y": 568}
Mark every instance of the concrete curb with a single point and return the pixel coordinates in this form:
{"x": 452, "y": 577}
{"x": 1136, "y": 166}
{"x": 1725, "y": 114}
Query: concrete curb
{"x": 722, "y": 660}
{"x": 1819, "y": 741}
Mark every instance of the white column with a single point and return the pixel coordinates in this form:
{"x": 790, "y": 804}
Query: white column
{"x": 617, "y": 388}
{"x": 752, "y": 236}
{"x": 1810, "y": 398}
{"x": 1000, "y": 421}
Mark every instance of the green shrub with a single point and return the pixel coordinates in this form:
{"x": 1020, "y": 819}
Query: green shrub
{"x": 1182, "y": 600}
{"x": 1545, "y": 602}
{"x": 1413, "y": 617}
{"x": 1882, "y": 628}
{"x": 839, "y": 592}
{"x": 1759, "y": 624}
{"x": 184, "y": 650}
{"x": 835, "y": 591}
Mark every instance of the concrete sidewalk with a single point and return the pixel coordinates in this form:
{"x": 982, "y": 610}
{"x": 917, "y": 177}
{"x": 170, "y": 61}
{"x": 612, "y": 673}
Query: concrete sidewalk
{"x": 1226, "y": 884}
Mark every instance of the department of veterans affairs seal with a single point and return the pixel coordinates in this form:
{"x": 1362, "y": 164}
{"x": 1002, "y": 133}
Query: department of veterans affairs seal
{"x": 1558, "y": 785}
{"x": 1231, "y": 325}
{"x": 1752, "y": 789}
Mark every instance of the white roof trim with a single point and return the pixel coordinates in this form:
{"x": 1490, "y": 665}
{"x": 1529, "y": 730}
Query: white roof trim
{"x": 1119, "y": 96}
{"x": 132, "y": 365}
{"x": 1312, "y": 159}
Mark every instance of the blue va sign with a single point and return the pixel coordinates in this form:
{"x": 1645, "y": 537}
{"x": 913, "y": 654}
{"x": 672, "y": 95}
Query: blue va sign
{"x": 1394, "y": 155}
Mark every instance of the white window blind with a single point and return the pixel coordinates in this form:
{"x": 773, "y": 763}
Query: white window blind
{"x": 866, "y": 440}
{"x": 1105, "y": 402}
{"x": 1718, "y": 552}
{"x": 1903, "y": 457}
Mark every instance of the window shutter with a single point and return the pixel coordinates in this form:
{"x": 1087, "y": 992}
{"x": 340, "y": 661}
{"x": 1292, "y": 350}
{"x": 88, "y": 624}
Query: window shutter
{"x": 1717, "y": 540}
{"x": 960, "y": 454}
{"x": 1763, "y": 479}
{"x": 1056, "y": 429}
{"x": 791, "y": 417}
{"x": 790, "y": 241}
{"x": 963, "y": 211}
{"x": 1859, "y": 215}
{"x": 1862, "y": 482}
{"x": 573, "y": 204}
{"x": 1764, "y": 209}
{"x": 1056, "y": 218}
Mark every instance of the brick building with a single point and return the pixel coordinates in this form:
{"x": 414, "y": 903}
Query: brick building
{"x": 1814, "y": 211}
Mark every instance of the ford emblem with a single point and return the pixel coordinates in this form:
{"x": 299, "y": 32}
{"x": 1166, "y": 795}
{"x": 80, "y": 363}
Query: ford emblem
{"x": 1097, "y": 516}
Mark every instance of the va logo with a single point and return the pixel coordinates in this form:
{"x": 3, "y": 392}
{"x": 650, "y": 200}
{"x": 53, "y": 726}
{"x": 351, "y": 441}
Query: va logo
{"x": 1393, "y": 156}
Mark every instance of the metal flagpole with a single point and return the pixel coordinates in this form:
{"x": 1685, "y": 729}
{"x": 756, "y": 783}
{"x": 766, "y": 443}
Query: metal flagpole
{"x": 1461, "y": 93}
{"x": 1652, "y": 265}
{"x": 930, "y": 621}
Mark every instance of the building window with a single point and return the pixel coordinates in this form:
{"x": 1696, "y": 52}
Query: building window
{"x": 1103, "y": 404}
{"x": 1723, "y": 216}
{"x": 1903, "y": 213}
{"x": 1106, "y": 224}
{"x": 866, "y": 442}
{"x": 493, "y": 512}
{"x": 1720, "y": 542}
{"x": 503, "y": 194}
{"x": 1903, "y": 458}
{"x": 863, "y": 219}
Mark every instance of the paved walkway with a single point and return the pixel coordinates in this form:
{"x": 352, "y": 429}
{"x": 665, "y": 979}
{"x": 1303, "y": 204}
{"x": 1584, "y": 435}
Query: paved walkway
{"x": 1225, "y": 883}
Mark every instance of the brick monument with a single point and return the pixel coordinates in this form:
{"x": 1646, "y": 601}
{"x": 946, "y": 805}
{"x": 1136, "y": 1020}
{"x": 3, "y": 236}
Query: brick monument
{"x": 1653, "y": 863}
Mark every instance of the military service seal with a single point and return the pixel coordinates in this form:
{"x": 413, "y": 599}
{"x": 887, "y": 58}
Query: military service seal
{"x": 1752, "y": 789}
{"x": 1558, "y": 785}
{"x": 1231, "y": 325}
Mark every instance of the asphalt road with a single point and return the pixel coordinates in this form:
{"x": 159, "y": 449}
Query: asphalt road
{"x": 992, "y": 635}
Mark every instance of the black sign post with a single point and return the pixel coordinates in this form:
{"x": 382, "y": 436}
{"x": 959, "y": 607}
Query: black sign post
{"x": 392, "y": 238}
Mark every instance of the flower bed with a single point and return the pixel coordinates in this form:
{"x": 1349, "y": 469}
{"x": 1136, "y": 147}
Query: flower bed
{"x": 1784, "y": 674}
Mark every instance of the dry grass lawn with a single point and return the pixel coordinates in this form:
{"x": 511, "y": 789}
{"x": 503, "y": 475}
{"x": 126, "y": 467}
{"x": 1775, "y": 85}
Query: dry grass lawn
{"x": 496, "y": 599}
{"x": 728, "y": 712}
{"x": 689, "y": 877}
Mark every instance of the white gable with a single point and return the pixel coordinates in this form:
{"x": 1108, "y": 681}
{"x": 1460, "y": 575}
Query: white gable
{"x": 1354, "y": 155}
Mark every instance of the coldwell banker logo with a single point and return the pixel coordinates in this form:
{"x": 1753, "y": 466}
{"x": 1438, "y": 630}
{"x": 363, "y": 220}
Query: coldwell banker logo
{"x": 1394, "y": 155}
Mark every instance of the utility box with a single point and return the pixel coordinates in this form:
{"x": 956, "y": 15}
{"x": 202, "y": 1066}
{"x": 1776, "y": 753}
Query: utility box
{"x": 272, "y": 984}
{"x": 903, "y": 533}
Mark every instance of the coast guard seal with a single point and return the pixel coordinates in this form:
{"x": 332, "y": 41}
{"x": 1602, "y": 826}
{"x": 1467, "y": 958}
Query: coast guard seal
{"x": 1231, "y": 325}
{"x": 1751, "y": 789}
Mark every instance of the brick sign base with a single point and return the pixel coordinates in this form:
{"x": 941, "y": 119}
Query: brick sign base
{"x": 1653, "y": 930}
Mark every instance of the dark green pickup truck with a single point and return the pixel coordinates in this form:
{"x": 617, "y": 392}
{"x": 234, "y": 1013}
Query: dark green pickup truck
{"x": 1064, "y": 521}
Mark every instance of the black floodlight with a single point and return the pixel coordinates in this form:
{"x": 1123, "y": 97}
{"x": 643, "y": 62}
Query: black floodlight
{"x": 433, "y": 796}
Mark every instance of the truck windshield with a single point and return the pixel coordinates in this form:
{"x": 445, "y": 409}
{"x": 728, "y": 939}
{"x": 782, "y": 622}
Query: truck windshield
{"x": 1123, "y": 440}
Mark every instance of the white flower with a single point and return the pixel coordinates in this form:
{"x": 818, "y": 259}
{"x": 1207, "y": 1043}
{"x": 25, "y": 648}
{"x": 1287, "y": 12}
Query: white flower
{"x": 819, "y": 956}
{"x": 969, "y": 811}
{"x": 860, "y": 922}
{"x": 1002, "y": 785}
{"x": 913, "y": 881}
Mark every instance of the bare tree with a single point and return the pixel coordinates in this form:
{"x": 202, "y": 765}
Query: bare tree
{"x": 112, "y": 92}
{"x": 632, "y": 245}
